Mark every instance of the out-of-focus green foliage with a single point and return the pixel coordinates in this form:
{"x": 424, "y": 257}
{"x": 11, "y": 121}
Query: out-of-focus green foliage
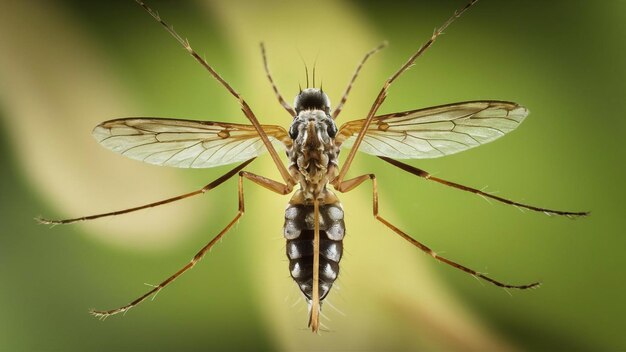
{"x": 67, "y": 65}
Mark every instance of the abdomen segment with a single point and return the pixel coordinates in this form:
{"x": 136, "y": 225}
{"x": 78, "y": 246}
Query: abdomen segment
{"x": 299, "y": 232}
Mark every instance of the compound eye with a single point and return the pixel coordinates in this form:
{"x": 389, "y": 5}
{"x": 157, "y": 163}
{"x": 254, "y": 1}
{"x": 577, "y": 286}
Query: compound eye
{"x": 293, "y": 131}
{"x": 331, "y": 129}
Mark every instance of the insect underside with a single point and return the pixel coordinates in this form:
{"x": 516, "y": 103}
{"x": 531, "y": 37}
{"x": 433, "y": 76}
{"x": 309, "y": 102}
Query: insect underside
{"x": 314, "y": 218}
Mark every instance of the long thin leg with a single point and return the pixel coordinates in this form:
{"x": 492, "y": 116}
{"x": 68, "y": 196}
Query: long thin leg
{"x": 243, "y": 104}
{"x": 202, "y": 190}
{"x": 274, "y": 186}
{"x": 240, "y": 211}
{"x": 421, "y": 173}
{"x": 282, "y": 101}
{"x": 383, "y": 92}
{"x": 344, "y": 97}
{"x": 314, "y": 319}
{"x": 353, "y": 183}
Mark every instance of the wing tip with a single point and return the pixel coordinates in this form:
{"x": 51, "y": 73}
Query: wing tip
{"x": 100, "y": 132}
{"x": 520, "y": 112}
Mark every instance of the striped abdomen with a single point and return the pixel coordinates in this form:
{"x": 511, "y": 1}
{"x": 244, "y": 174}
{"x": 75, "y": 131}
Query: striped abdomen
{"x": 299, "y": 232}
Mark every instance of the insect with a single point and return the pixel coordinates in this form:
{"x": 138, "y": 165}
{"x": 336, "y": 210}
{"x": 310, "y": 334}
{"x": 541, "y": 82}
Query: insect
{"x": 314, "y": 219}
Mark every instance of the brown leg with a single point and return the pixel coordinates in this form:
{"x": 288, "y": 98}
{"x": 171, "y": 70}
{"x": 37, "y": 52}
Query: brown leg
{"x": 202, "y": 190}
{"x": 350, "y": 184}
{"x": 282, "y": 101}
{"x": 270, "y": 184}
{"x": 243, "y": 104}
{"x": 314, "y": 318}
{"x": 106, "y": 313}
{"x": 344, "y": 97}
{"x": 383, "y": 91}
{"x": 421, "y": 173}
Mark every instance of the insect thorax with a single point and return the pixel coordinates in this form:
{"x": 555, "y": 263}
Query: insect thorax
{"x": 313, "y": 155}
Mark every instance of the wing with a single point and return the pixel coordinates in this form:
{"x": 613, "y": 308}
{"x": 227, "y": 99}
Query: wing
{"x": 186, "y": 143}
{"x": 435, "y": 131}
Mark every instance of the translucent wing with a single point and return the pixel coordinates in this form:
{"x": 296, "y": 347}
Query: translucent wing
{"x": 186, "y": 143}
{"x": 435, "y": 131}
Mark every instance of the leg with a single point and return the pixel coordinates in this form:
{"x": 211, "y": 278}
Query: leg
{"x": 106, "y": 313}
{"x": 202, "y": 190}
{"x": 314, "y": 318}
{"x": 344, "y": 97}
{"x": 383, "y": 92}
{"x": 265, "y": 182}
{"x": 421, "y": 173}
{"x": 282, "y": 101}
{"x": 243, "y": 104}
{"x": 350, "y": 184}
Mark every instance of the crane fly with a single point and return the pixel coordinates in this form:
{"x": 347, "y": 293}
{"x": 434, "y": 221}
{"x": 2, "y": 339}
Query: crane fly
{"x": 314, "y": 219}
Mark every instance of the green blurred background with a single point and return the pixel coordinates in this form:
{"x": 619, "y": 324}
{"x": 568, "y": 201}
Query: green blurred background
{"x": 67, "y": 65}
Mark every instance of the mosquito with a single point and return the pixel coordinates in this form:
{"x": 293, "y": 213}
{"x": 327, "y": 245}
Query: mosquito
{"x": 314, "y": 218}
